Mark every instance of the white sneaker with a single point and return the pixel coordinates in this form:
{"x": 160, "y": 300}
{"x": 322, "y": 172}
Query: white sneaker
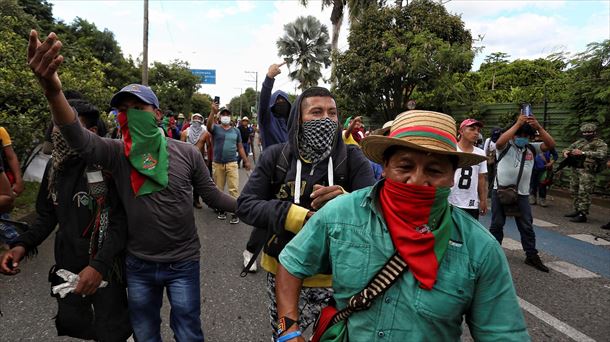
{"x": 247, "y": 257}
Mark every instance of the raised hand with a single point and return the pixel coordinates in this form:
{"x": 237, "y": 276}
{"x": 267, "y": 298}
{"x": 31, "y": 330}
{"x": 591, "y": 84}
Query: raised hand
{"x": 274, "y": 70}
{"x": 44, "y": 60}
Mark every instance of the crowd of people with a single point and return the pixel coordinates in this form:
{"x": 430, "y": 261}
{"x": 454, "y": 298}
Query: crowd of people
{"x": 341, "y": 215}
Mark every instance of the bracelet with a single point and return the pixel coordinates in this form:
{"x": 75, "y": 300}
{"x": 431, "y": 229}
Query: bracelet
{"x": 290, "y": 336}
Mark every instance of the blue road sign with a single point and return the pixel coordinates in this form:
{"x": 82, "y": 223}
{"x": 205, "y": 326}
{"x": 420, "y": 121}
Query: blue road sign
{"x": 208, "y": 76}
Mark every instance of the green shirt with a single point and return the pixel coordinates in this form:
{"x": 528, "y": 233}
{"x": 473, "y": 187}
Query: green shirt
{"x": 350, "y": 237}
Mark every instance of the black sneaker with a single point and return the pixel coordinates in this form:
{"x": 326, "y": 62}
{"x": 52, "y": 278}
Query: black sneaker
{"x": 580, "y": 218}
{"x": 606, "y": 226}
{"x": 221, "y": 216}
{"x": 573, "y": 214}
{"x": 234, "y": 219}
{"x": 535, "y": 262}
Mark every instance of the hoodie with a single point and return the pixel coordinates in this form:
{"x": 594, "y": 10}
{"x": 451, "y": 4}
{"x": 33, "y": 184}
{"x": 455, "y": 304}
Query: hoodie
{"x": 270, "y": 207}
{"x": 273, "y": 130}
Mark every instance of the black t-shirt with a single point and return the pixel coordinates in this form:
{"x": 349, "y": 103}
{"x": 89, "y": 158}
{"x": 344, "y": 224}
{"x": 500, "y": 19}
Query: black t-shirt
{"x": 245, "y": 133}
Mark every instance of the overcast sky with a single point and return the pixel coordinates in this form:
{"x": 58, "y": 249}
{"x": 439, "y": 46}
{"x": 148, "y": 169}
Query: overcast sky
{"x": 237, "y": 36}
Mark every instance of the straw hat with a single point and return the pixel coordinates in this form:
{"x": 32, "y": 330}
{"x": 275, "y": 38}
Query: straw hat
{"x": 420, "y": 130}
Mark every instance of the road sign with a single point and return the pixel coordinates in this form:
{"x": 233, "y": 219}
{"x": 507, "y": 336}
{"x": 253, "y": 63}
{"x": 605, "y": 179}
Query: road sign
{"x": 208, "y": 76}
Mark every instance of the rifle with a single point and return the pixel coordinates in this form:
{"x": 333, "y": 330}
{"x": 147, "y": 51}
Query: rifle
{"x": 571, "y": 161}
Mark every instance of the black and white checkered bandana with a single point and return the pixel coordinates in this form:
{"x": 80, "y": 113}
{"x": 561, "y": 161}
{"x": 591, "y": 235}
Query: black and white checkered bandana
{"x": 316, "y": 139}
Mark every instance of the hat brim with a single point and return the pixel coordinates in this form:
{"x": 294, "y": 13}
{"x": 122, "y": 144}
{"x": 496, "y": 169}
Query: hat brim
{"x": 118, "y": 97}
{"x": 374, "y": 146}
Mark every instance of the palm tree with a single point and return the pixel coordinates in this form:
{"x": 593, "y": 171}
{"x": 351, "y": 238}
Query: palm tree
{"x": 305, "y": 43}
{"x": 355, "y": 7}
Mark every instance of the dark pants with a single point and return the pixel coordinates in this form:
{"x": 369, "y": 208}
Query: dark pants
{"x": 524, "y": 222}
{"x": 535, "y": 187}
{"x": 102, "y": 316}
{"x": 246, "y": 150}
{"x": 146, "y": 281}
{"x": 473, "y": 212}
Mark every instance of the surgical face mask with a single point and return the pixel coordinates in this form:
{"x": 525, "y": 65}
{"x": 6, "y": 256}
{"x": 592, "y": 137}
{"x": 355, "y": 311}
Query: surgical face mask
{"x": 281, "y": 109}
{"x": 225, "y": 120}
{"x": 521, "y": 141}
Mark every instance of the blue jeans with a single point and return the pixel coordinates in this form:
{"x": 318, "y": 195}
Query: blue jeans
{"x": 524, "y": 222}
{"x": 145, "y": 283}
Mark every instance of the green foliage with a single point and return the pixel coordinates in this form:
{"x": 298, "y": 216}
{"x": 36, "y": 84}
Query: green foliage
{"x": 246, "y": 101}
{"x": 174, "y": 85}
{"x": 394, "y": 51}
{"x": 201, "y": 103}
{"x": 589, "y": 89}
{"x": 305, "y": 47}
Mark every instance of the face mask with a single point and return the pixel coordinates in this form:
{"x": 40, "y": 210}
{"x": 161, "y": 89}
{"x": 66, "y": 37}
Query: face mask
{"x": 281, "y": 109}
{"x": 521, "y": 141}
{"x": 196, "y": 124}
{"x": 225, "y": 120}
{"x": 316, "y": 139}
{"x": 589, "y": 137}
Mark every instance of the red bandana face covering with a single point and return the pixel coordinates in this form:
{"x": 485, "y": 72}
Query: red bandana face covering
{"x": 419, "y": 221}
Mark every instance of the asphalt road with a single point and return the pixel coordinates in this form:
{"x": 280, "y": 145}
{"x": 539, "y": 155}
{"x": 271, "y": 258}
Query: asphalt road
{"x": 557, "y": 306}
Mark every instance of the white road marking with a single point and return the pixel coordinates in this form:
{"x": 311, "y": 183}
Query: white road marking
{"x": 590, "y": 239}
{"x": 511, "y": 245}
{"x": 554, "y": 322}
{"x": 570, "y": 270}
{"x": 541, "y": 223}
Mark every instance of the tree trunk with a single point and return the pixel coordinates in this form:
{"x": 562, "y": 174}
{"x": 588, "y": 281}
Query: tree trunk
{"x": 336, "y": 18}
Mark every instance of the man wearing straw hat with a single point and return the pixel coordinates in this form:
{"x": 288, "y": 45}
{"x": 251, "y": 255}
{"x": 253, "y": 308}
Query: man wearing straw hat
{"x": 455, "y": 267}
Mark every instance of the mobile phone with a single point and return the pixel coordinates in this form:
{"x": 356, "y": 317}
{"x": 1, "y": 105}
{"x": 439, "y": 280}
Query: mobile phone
{"x": 527, "y": 109}
{"x": 217, "y": 99}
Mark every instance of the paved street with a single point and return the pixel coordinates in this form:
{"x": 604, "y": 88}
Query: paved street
{"x": 568, "y": 304}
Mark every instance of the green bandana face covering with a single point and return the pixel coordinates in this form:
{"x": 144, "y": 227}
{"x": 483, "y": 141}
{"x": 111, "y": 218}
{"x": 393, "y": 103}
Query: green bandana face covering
{"x": 146, "y": 149}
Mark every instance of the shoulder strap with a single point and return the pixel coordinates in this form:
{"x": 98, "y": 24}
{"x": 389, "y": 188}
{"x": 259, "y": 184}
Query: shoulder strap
{"x": 387, "y": 276}
{"x": 504, "y": 152}
{"x": 521, "y": 166}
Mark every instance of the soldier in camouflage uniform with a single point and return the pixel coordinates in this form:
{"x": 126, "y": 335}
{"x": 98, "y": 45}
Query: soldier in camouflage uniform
{"x": 590, "y": 152}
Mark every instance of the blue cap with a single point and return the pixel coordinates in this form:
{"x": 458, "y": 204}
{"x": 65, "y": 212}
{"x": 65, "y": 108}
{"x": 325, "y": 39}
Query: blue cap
{"x": 142, "y": 92}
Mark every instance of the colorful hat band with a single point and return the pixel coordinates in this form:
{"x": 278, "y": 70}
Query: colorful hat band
{"x": 425, "y": 132}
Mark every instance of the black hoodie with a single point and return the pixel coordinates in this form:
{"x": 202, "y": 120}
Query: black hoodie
{"x": 271, "y": 207}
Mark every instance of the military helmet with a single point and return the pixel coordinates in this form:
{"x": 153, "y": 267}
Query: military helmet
{"x": 588, "y": 127}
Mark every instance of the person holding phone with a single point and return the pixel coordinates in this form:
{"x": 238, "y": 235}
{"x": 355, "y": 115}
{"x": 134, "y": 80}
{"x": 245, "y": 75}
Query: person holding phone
{"x": 226, "y": 140}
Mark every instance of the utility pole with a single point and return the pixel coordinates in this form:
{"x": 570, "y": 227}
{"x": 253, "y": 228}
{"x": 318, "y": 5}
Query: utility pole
{"x": 145, "y": 48}
{"x": 255, "y": 86}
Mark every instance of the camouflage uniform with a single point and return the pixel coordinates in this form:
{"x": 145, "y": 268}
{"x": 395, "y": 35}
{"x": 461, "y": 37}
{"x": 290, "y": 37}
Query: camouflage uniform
{"x": 582, "y": 180}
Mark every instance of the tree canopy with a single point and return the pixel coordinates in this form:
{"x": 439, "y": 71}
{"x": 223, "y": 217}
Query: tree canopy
{"x": 305, "y": 48}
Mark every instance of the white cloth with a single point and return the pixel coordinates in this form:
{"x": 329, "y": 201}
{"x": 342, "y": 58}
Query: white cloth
{"x": 70, "y": 284}
{"x": 464, "y": 192}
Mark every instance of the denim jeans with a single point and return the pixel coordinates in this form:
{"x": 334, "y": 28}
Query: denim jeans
{"x": 524, "y": 222}
{"x": 146, "y": 281}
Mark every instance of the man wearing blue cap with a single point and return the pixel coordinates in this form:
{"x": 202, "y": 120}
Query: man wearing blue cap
{"x": 154, "y": 177}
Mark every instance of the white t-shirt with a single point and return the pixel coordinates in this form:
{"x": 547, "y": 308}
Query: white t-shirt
{"x": 489, "y": 147}
{"x": 464, "y": 193}
{"x": 508, "y": 168}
